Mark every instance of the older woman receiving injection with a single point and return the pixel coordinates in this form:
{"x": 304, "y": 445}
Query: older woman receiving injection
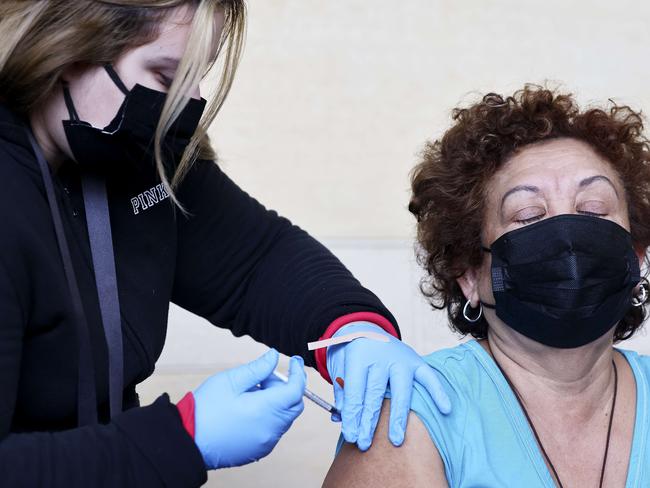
{"x": 533, "y": 220}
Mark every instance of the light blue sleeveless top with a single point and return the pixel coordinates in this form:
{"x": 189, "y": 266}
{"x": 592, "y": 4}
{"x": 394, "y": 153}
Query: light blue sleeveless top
{"x": 486, "y": 440}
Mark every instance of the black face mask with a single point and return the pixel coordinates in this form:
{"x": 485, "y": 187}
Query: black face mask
{"x": 564, "y": 281}
{"x": 129, "y": 139}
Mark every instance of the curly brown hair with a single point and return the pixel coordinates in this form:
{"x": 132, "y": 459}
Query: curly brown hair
{"x": 449, "y": 183}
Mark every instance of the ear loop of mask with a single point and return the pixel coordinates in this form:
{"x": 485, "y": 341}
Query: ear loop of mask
{"x": 72, "y": 111}
{"x": 487, "y": 305}
{"x": 116, "y": 78}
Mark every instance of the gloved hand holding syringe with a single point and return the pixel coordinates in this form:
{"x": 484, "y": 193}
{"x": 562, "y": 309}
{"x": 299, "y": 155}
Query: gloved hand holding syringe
{"x": 336, "y": 415}
{"x": 334, "y": 412}
{"x": 240, "y": 414}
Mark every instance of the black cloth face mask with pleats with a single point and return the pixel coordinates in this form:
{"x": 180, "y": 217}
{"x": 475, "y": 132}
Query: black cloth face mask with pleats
{"x": 564, "y": 281}
{"x": 128, "y": 139}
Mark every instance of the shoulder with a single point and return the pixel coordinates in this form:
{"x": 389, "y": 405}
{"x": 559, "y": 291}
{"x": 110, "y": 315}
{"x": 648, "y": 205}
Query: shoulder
{"x": 212, "y": 198}
{"x": 463, "y": 370}
{"x": 458, "y": 363}
{"x": 640, "y": 364}
{"x": 466, "y": 373}
{"x": 435, "y": 443}
{"x": 480, "y": 442}
{"x": 203, "y": 174}
{"x": 416, "y": 463}
{"x": 206, "y": 189}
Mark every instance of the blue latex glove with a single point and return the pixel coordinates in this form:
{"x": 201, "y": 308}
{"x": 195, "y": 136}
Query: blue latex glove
{"x": 367, "y": 366}
{"x": 240, "y": 414}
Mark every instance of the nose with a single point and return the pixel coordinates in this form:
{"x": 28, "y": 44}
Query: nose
{"x": 561, "y": 205}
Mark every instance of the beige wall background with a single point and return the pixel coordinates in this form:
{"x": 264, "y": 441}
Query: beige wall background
{"x": 335, "y": 98}
{"x": 331, "y": 105}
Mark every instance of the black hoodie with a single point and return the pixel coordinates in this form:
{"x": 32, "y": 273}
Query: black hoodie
{"x": 231, "y": 261}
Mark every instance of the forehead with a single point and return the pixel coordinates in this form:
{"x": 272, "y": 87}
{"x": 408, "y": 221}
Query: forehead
{"x": 174, "y": 31}
{"x": 558, "y": 162}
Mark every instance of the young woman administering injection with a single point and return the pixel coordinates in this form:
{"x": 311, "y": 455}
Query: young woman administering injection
{"x": 112, "y": 208}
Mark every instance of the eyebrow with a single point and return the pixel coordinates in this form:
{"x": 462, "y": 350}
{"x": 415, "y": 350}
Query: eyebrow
{"x": 529, "y": 188}
{"x": 593, "y": 179}
{"x": 169, "y": 61}
{"x": 583, "y": 183}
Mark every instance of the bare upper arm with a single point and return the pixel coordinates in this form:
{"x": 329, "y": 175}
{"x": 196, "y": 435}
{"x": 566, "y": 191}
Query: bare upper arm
{"x": 415, "y": 463}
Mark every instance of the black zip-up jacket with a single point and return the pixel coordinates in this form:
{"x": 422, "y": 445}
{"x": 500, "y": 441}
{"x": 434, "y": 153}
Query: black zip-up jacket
{"x": 232, "y": 261}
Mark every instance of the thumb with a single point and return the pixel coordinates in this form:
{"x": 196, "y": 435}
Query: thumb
{"x": 297, "y": 379}
{"x": 428, "y": 378}
{"x": 251, "y": 374}
{"x": 290, "y": 393}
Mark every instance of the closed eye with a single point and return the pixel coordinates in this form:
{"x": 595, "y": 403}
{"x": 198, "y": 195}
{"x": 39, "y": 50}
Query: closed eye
{"x": 539, "y": 217}
{"x": 530, "y": 220}
{"x": 529, "y": 214}
{"x": 165, "y": 80}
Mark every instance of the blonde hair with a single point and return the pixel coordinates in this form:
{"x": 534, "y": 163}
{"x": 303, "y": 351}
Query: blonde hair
{"x": 41, "y": 38}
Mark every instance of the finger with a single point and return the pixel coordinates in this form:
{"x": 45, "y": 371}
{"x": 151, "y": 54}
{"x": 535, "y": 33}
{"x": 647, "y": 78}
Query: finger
{"x": 296, "y": 410}
{"x": 430, "y": 380}
{"x": 291, "y": 414}
{"x": 249, "y": 375}
{"x": 375, "y": 391}
{"x": 353, "y": 396}
{"x": 284, "y": 395}
{"x": 297, "y": 380}
{"x": 401, "y": 385}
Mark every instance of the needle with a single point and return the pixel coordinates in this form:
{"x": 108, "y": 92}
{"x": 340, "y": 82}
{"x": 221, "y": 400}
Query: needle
{"x": 313, "y": 397}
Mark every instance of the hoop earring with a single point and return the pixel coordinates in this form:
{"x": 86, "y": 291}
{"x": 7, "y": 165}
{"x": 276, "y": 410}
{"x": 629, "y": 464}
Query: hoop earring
{"x": 476, "y": 319}
{"x": 642, "y": 297}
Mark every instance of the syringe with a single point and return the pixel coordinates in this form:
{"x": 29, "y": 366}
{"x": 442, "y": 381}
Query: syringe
{"x": 314, "y": 398}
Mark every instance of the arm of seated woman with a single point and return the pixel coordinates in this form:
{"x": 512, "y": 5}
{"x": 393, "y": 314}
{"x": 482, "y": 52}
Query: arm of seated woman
{"x": 415, "y": 463}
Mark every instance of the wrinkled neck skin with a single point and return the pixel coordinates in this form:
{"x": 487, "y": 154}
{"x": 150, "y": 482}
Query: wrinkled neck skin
{"x": 576, "y": 383}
